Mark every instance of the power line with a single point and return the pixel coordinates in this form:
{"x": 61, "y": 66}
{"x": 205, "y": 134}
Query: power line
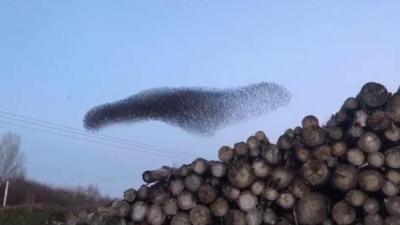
{"x": 88, "y": 135}
{"x": 85, "y": 139}
{"x": 102, "y": 139}
{"x": 77, "y": 131}
{"x": 89, "y": 140}
{"x": 97, "y": 135}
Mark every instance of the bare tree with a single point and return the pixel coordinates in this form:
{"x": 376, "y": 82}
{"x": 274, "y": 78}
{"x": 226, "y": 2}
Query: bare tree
{"x": 11, "y": 160}
{"x": 11, "y": 157}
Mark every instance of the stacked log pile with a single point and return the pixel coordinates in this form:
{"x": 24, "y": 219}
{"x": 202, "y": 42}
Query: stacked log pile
{"x": 345, "y": 172}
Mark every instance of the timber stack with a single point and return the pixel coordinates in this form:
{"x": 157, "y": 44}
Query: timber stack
{"x": 344, "y": 172}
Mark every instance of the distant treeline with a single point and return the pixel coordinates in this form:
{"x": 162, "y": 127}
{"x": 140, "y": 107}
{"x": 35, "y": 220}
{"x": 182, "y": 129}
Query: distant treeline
{"x": 32, "y": 215}
{"x": 27, "y": 192}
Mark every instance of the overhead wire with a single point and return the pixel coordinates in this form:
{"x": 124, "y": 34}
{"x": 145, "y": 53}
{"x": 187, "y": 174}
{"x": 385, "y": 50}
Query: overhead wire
{"x": 90, "y": 140}
{"x": 76, "y": 131}
{"x": 148, "y": 151}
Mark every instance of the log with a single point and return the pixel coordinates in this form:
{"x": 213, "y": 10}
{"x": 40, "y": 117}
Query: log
{"x": 200, "y": 166}
{"x": 339, "y": 148}
{"x": 371, "y": 206}
{"x": 340, "y": 118}
{"x": 269, "y": 216}
{"x": 392, "y": 134}
{"x": 240, "y": 175}
{"x": 370, "y": 180}
{"x": 392, "y": 157}
{"x": 335, "y": 133}
{"x": 206, "y": 194}
{"x": 313, "y": 136}
{"x": 247, "y": 201}
{"x": 176, "y": 186}
{"x": 343, "y": 213}
{"x": 303, "y": 154}
{"x": 376, "y": 159}
{"x": 219, "y": 207}
{"x": 200, "y": 215}
{"x": 193, "y": 182}
{"x": 271, "y": 194}
{"x": 356, "y": 198}
{"x": 261, "y": 168}
{"x": 218, "y": 169}
{"x": 240, "y": 149}
{"x": 225, "y": 154}
{"x": 361, "y": 118}
{"x": 344, "y": 177}
{"x": 261, "y": 137}
{"x": 355, "y": 132}
{"x": 298, "y": 130}
{"x": 164, "y": 173}
{"x": 285, "y": 142}
{"x": 281, "y": 177}
{"x": 373, "y": 95}
{"x": 254, "y": 217}
{"x": 392, "y": 205}
{"x": 181, "y": 218}
{"x": 369, "y": 142}
{"x": 184, "y": 171}
{"x": 299, "y": 188}
{"x": 186, "y": 200}
{"x": 392, "y": 220}
{"x": 310, "y": 121}
{"x": 332, "y": 122}
{"x": 393, "y": 175}
{"x": 332, "y": 161}
{"x": 373, "y": 219}
{"x": 130, "y": 195}
{"x": 379, "y": 121}
{"x": 258, "y": 187}
{"x": 170, "y": 207}
{"x": 393, "y": 108}
{"x": 155, "y": 215}
{"x": 389, "y": 188}
{"x": 291, "y": 133}
{"x": 286, "y": 200}
{"x": 231, "y": 193}
{"x": 271, "y": 154}
{"x": 139, "y": 211}
{"x": 158, "y": 193}
{"x": 312, "y": 209}
{"x": 315, "y": 172}
{"x": 235, "y": 217}
{"x": 355, "y": 156}
{"x": 254, "y": 146}
{"x": 143, "y": 192}
{"x": 350, "y": 104}
{"x": 322, "y": 152}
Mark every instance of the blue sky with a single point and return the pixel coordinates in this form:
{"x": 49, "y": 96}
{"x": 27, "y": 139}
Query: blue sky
{"x": 60, "y": 58}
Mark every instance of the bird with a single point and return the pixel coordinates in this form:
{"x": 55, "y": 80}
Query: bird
{"x": 197, "y": 110}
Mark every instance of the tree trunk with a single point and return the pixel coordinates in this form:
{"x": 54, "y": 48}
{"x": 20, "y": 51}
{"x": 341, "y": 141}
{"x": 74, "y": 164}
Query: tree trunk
{"x": 6, "y": 193}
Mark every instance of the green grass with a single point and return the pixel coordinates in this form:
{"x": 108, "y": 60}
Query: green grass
{"x": 31, "y": 215}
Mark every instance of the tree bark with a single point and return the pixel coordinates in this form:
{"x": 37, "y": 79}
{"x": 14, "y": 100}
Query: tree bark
{"x": 6, "y": 193}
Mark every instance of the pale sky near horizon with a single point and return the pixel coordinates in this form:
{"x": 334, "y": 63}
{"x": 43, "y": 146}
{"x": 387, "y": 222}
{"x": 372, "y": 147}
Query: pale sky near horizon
{"x": 60, "y": 58}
